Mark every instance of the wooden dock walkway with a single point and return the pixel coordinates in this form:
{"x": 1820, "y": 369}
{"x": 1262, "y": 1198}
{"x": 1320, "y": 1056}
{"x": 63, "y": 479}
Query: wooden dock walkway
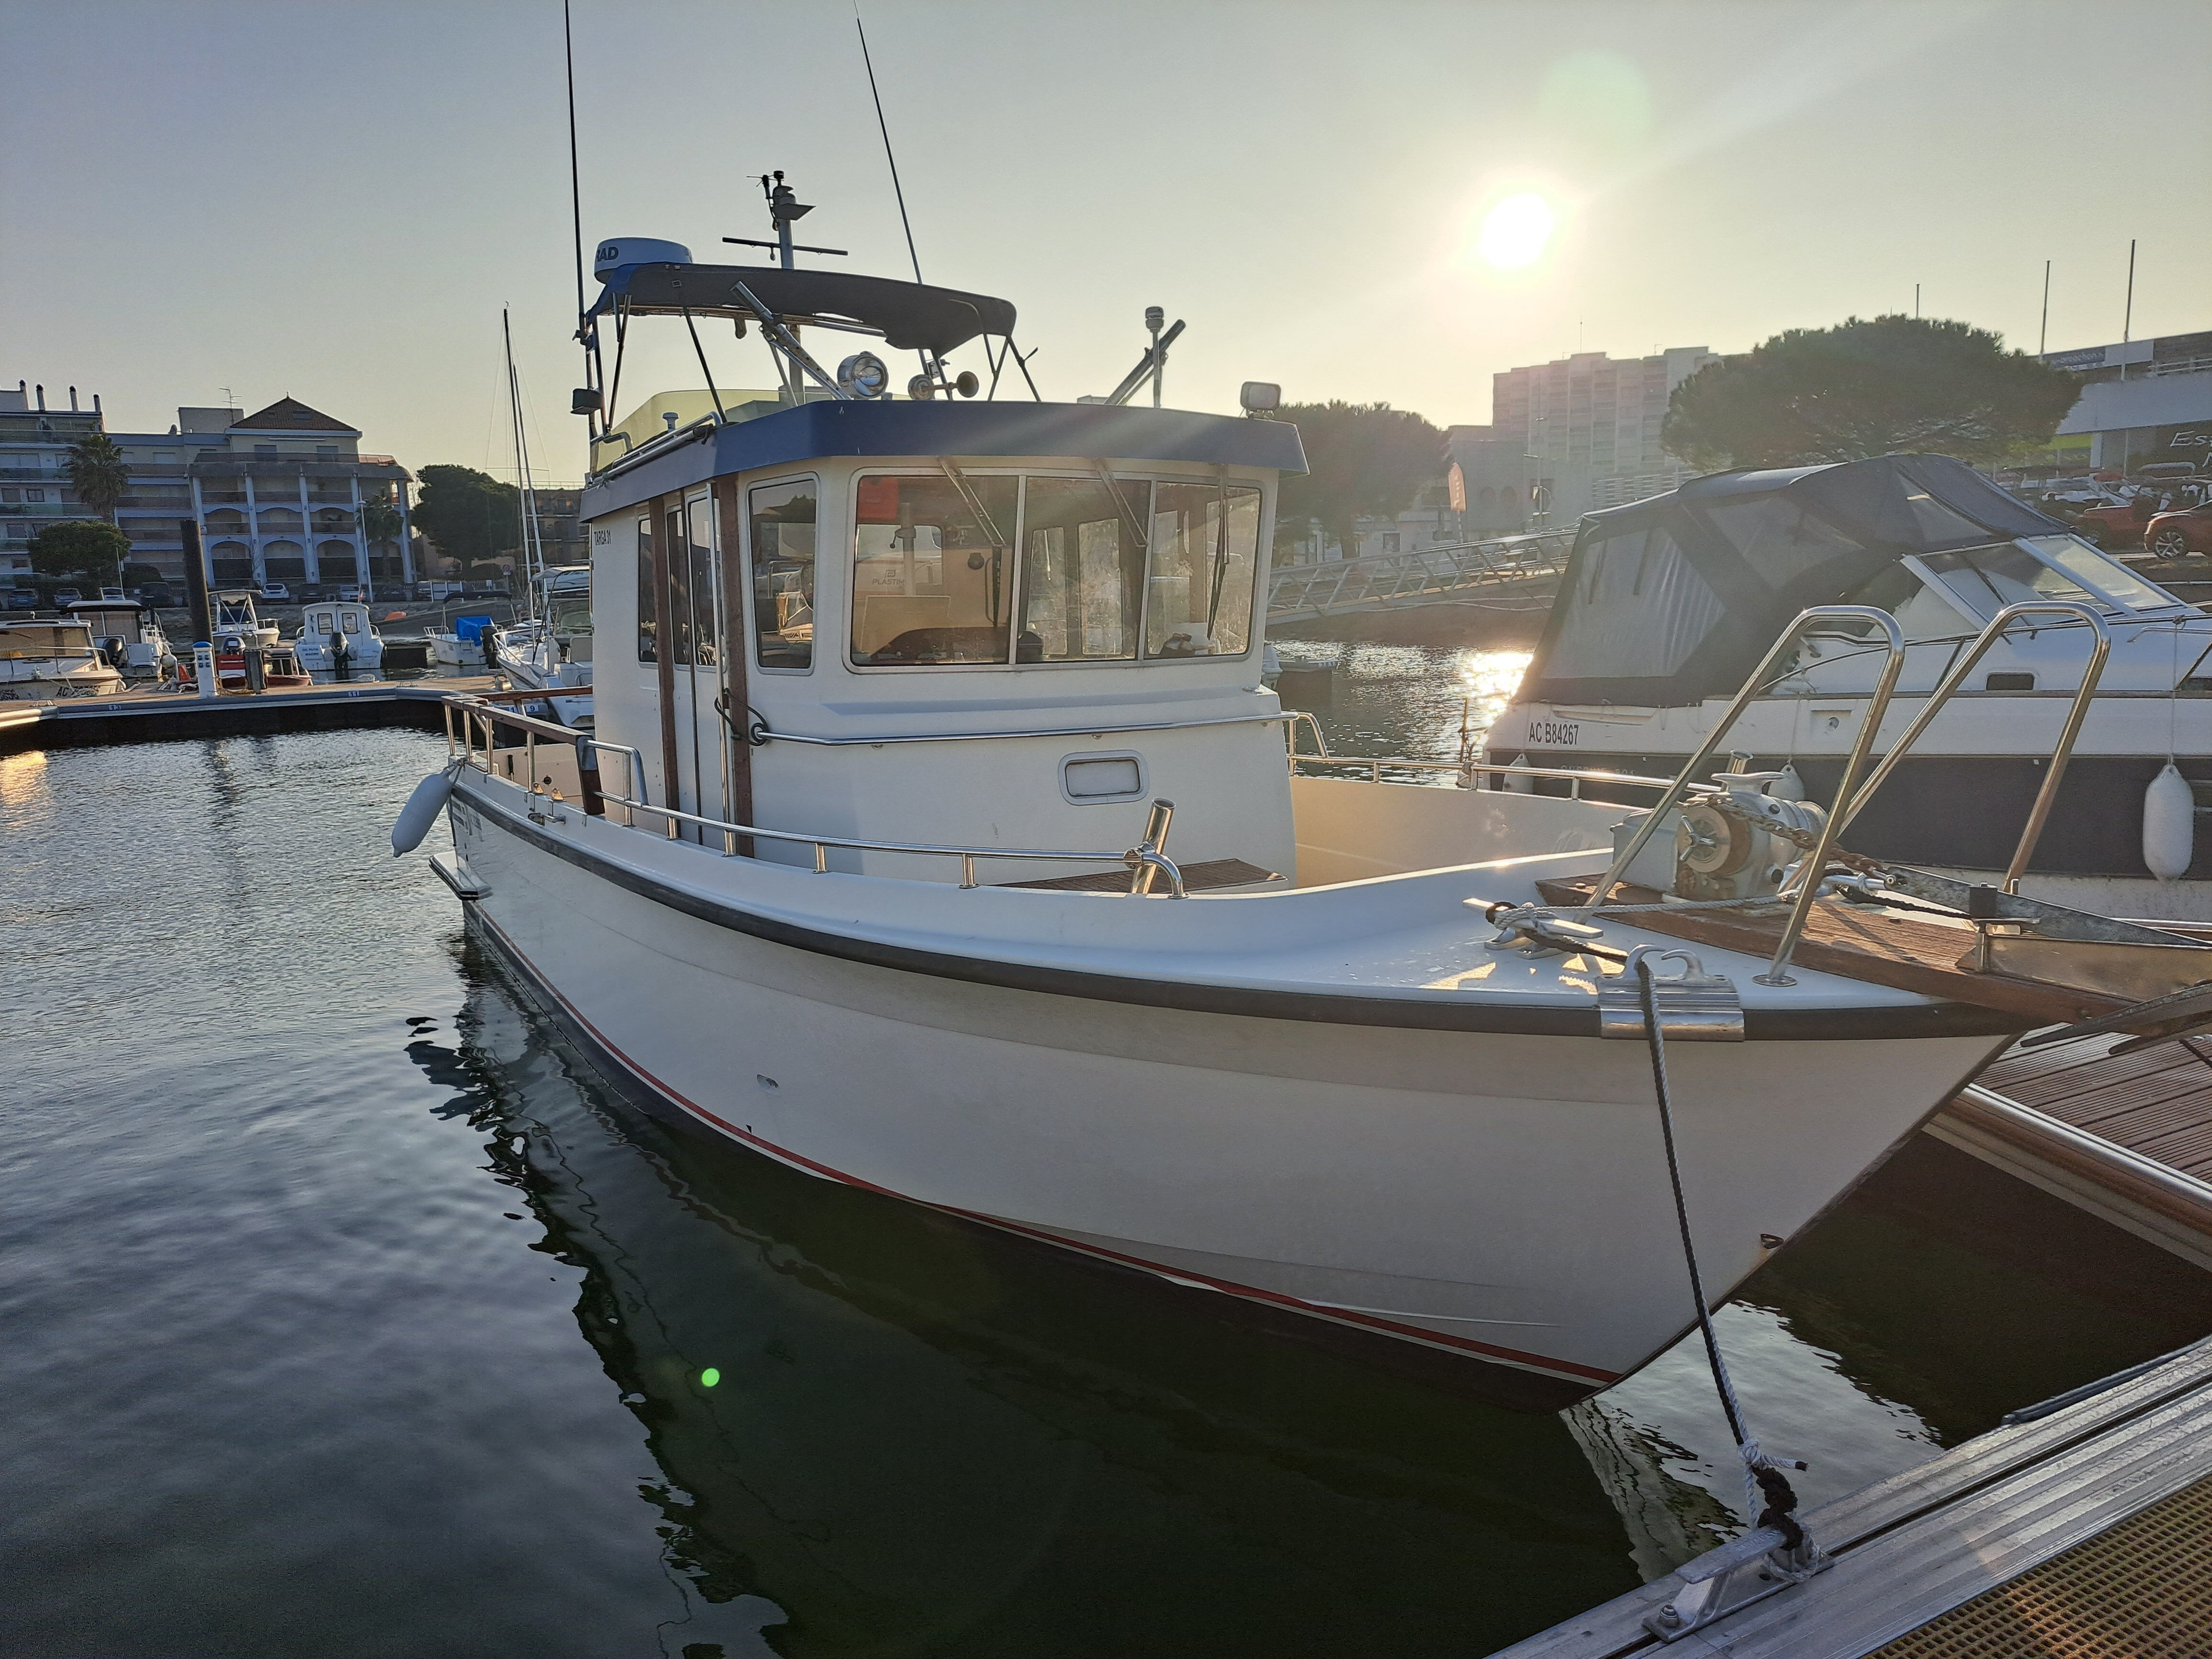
{"x": 2127, "y": 1137}
{"x": 2082, "y": 1529}
{"x": 148, "y": 714}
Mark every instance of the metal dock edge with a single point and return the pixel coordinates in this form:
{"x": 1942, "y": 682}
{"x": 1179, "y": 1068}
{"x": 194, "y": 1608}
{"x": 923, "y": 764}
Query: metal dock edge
{"x": 1994, "y": 1550}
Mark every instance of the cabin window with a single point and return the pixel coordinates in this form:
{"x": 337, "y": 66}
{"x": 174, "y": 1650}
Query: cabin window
{"x": 699, "y": 519}
{"x": 933, "y": 569}
{"x": 781, "y": 523}
{"x": 1204, "y": 555}
{"x": 1082, "y": 569}
{"x": 648, "y": 602}
{"x": 678, "y": 563}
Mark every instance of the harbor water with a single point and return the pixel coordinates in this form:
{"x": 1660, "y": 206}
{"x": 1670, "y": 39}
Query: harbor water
{"x": 348, "y": 1311}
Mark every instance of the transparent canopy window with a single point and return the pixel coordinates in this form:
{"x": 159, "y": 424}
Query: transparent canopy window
{"x": 933, "y": 569}
{"x": 1205, "y": 550}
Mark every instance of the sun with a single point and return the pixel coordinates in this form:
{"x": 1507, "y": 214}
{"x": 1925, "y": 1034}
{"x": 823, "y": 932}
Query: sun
{"x": 1516, "y": 232}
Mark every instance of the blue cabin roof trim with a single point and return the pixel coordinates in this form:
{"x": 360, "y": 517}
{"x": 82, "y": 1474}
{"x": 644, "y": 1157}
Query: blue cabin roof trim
{"x": 843, "y": 429}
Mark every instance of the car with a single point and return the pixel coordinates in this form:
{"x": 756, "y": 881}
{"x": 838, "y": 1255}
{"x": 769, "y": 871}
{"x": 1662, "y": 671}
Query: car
{"x": 65, "y": 597}
{"x": 2116, "y": 524}
{"x": 276, "y": 593}
{"x": 19, "y": 598}
{"x": 353, "y": 595}
{"x": 2176, "y": 535}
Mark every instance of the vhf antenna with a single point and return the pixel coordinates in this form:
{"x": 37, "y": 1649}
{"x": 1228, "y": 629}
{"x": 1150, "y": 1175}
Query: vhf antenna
{"x": 884, "y": 127}
{"x": 594, "y": 415}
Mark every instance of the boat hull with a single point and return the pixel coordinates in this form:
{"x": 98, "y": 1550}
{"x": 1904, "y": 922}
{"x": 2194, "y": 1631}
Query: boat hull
{"x": 1497, "y": 1196}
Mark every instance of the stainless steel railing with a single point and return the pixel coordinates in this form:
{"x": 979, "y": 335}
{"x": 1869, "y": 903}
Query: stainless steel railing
{"x": 1145, "y": 861}
{"x": 1498, "y": 772}
{"x": 1877, "y": 705}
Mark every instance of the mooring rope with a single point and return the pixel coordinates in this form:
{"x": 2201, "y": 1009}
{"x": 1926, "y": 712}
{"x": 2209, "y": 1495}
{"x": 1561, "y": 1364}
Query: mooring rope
{"x": 1772, "y": 1499}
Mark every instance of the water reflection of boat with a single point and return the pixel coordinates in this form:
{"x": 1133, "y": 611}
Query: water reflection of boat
{"x": 917, "y": 1440}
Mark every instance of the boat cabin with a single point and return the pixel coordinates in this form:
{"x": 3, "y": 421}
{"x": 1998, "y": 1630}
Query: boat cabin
{"x": 996, "y": 624}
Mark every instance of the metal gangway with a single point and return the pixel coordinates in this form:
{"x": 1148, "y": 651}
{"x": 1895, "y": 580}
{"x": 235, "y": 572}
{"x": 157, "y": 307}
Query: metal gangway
{"x": 1448, "y": 573}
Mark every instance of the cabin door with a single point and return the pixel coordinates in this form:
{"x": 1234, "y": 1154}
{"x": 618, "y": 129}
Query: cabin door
{"x": 696, "y": 659}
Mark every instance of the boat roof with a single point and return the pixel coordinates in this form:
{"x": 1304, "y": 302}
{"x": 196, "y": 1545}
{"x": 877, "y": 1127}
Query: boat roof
{"x": 1671, "y": 600}
{"x": 895, "y": 428}
{"x": 910, "y": 316}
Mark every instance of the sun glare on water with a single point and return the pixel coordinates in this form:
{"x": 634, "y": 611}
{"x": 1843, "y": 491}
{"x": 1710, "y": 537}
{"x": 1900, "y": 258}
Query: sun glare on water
{"x": 1515, "y": 232}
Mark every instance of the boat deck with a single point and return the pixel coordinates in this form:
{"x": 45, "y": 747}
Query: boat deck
{"x": 1905, "y": 951}
{"x": 2084, "y": 1529}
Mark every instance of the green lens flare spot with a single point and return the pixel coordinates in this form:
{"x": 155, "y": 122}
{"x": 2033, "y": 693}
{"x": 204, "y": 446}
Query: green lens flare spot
{"x": 708, "y": 1377}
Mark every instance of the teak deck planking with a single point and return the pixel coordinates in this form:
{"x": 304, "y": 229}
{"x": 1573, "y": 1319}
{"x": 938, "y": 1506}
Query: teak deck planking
{"x": 1883, "y": 947}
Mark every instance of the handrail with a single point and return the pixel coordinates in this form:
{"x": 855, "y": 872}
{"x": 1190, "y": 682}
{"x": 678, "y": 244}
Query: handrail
{"x": 1100, "y": 730}
{"x": 1142, "y": 860}
{"x": 2045, "y": 796}
{"x": 1494, "y": 770}
{"x": 1877, "y": 705}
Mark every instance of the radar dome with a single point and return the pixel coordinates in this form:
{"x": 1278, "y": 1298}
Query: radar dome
{"x": 619, "y": 250}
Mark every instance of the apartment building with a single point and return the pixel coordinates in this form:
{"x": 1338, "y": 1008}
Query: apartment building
{"x": 34, "y": 482}
{"x": 281, "y": 498}
{"x": 279, "y": 495}
{"x": 1589, "y": 426}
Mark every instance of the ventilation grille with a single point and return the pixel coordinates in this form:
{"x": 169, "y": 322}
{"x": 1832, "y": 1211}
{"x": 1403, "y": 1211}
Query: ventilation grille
{"x": 2143, "y": 1590}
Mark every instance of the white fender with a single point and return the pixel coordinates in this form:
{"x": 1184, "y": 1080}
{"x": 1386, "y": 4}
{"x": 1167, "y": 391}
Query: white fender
{"x": 421, "y": 812}
{"x": 1789, "y": 786}
{"x": 2169, "y": 825}
{"x": 1522, "y": 785}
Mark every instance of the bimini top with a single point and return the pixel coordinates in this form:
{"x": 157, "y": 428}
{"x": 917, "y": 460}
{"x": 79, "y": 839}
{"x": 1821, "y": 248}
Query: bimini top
{"x": 910, "y": 316}
{"x": 1674, "y": 599}
{"x": 902, "y": 429}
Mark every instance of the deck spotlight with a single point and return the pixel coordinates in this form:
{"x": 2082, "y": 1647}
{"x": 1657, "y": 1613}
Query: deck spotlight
{"x": 584, "y": 401}
{"x": 1261, "y": 398}
{"x": 863, "y": 375}
{"x": 967, "y": 386}
{"x": 922, "y": 388}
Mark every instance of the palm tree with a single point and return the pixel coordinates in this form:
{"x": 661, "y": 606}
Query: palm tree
{"x": 381, "y": 522}
{"x": 100, "y": 474}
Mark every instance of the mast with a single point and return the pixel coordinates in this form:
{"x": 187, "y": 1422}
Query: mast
{"x": 533, "y": 546}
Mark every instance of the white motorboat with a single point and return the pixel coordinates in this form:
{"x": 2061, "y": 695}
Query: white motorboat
{"x": 129, "y": 633}
{"x": 1668, "y": 602}
{"x": 43, "y": 660}
{"x": 890, "y": 669}
{"x": 338, "y": 640}
{"x": 238, "y": 624}
{"x": 551, "y": 651}
{"x": 461, "y": 646}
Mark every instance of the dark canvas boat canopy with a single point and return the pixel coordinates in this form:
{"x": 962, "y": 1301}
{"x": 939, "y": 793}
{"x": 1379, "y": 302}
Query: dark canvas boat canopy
{"x": 1672, "y": 600}
{"x": 910, "y": 316}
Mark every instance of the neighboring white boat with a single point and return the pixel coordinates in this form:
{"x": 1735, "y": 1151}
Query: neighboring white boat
{"x": 338, "y": 640}
{"x": 463, "y": 645}
{"x": 129, "y": 633}
{"x": 237, "y": 624}
{"x": 552, "y": 651}
{"x": 887, "y": 672}
{"x": 43, "y": 660}
{"x": 1668, "y": 602}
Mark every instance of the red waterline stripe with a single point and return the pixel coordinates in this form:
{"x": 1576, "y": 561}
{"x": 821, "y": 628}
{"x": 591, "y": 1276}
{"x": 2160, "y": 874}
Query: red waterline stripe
{"x": 1250, "y": 1292}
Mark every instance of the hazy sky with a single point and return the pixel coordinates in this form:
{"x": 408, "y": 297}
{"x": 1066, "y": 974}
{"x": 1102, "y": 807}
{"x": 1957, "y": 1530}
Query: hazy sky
{"x": 333, "y": 198}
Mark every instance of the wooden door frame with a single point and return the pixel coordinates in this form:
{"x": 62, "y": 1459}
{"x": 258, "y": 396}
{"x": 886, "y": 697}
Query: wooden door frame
{"x": 663, "y": 655}
{"x": 737, "y": 649}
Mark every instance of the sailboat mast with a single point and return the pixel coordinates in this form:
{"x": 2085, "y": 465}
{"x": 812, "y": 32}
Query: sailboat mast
{"x": 525, "y": 502}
